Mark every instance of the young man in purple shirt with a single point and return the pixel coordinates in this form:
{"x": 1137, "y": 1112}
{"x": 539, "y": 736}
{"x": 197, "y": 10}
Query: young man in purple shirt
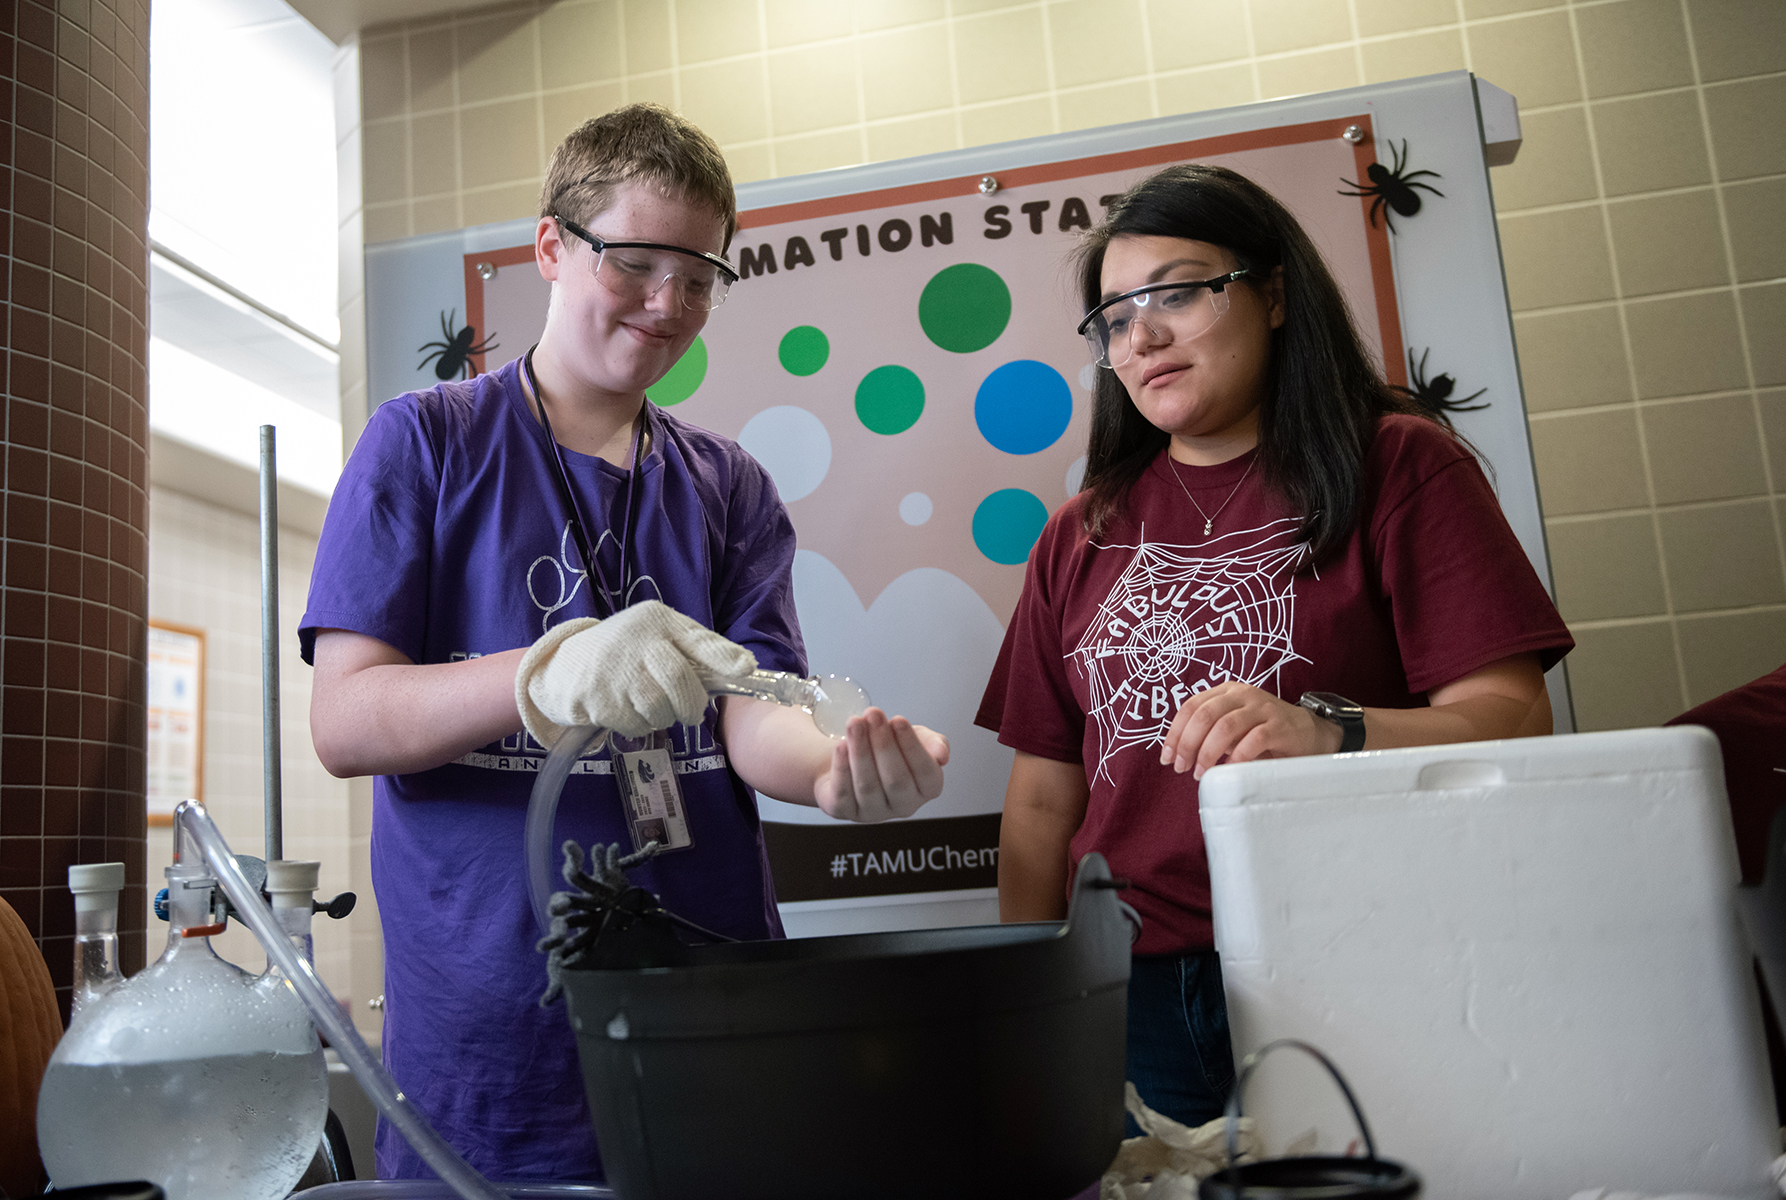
{"x": 457, "y": 625}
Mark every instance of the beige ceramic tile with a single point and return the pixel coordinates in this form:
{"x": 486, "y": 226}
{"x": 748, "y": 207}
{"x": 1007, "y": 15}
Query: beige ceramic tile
{"x": 1000, "y": 55}
{"x": 387, "y": 222}
{"x": 749, "y": 163}
{"x": 1764, "y": 316}
{"x": 1756, "y": 213}
{"x": 1006, "y": 122}
{"x": 1531, "y": 56}
{"x": 1722, "y": 556}
{"x": 647, "y": 25}
{"x": 1746, "y": 121}
{"x": 1668, "y": 243}
{"x": 1734, "y": 38}
{"x": 1589, "y": 462}
{"x": 1633, "y": 46}
{"x": 1683, "y": 345}
{"x": 726, "y": 99}
{"x": 506, "y": 203}
{"x": 812, "y": 87}
{"x": 1607, "y": 567}
{"x": 1112, "y": 104}
{"x": 1209, "y": 88}
{"x": 1572, "y": 359}
{"x": 904, "y": 71}
{"x": 817, "y": 152}
{"x": 909, "y": 137}
{"x": 434, "y": 154}
{"x": 796, "y": 22}
{"x": 889, "y": 14}
{"x": 1555, "y": 164}
{"x": 384, "y": 88}
{"x": 1280, "y": 25}
{"x": 431, "y": 69}
{"x": 1556, "y": 258}
{"x": 1096, "y": 40}
{"x": 499, "y": 143}
{"x": 656, "y": 88}
{"x": 1396, "y": 16}
{"x": 1773, "y": 423}
{"x": 968, "y": 7}
{"x": 710, "y": 29}
{"x": 1192, "y": 33}
{"x": 1704, "y": 449}
{"x": 1299, "y": 74}
{"x": 1728, "y": 650}
{"x": 1475, "y": 10}
{"x": 1624, "y": 677}
{"x": 567, "y": 110}
{"x": 1416, "y": 54}
{"x": 580, "y": 43}
{"x": 385, "y": 161}
{"x": 1633, "y": 134}
{"x": 496, "y": 57}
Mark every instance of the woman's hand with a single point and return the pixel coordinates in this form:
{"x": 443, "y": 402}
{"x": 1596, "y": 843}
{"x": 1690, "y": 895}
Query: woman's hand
{"x": 882, "y": 767}
{"x": 1235, "y": 722}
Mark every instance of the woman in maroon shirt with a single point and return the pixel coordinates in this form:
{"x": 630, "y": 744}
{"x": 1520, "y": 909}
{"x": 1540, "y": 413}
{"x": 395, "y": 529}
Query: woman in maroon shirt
{"x": 1274, "y": 553}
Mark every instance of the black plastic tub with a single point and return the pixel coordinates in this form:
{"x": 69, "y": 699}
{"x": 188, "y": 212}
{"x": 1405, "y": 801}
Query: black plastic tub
{"x": 939, "y": 1063}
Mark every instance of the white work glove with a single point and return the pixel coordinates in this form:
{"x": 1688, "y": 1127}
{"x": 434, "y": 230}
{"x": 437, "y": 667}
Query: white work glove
{"x": 640, "y": 670}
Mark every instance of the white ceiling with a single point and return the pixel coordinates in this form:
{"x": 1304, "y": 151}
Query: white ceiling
{"x": 339, "y": 18}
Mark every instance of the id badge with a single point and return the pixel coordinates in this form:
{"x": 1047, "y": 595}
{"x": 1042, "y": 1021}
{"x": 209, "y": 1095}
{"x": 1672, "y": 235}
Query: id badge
{"x": 653, "y": 798}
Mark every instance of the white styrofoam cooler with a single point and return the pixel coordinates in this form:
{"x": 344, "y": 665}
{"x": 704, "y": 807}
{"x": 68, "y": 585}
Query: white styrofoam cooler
{"x": 1524, "y": 955}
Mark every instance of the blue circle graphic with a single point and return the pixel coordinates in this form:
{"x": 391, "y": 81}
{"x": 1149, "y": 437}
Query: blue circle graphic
{"x": 1007, "y": 524}
{"x": 1023, "y": 407}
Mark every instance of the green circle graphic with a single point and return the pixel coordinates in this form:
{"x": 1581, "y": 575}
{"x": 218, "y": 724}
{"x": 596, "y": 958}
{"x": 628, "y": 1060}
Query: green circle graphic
{"x": 890, "y": 399}
{"x": 804, "y": 349}
{"x": 964, "y": 307}
{"x": 683, "y": 379}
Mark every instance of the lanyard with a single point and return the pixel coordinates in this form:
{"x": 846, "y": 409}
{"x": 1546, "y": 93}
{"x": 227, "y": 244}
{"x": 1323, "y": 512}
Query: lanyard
{"x": 598, "y": 583}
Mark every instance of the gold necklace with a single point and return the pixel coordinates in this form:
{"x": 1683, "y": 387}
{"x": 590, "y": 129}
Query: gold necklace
{"x": 1208, "y": 518}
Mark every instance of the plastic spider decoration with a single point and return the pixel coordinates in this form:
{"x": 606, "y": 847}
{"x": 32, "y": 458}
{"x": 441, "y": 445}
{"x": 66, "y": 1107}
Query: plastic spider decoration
{"x": 609, "y": 923}
{"x": 453, "y": 356}
{"x": 1433, "y": 396}
{"x": 1390, "y": 187}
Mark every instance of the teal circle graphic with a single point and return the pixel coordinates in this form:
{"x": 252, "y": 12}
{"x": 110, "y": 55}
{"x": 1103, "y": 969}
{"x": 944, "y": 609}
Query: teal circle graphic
{"x": 964, "y": 307}
{"x": 804, "y": 349}
{"x": 890, "y": 399}
{"x": 1007, "y": 524}
{"x": 1023, "y": 407}
{"x": 683, "y": 379}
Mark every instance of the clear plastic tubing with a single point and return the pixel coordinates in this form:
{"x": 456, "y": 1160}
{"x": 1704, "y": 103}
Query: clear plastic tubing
{"x": 458, "y": 1174}
{"x": 831, "y": 699}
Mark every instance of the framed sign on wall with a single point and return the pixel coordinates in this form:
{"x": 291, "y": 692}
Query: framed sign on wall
{"x": 176, "y": 718}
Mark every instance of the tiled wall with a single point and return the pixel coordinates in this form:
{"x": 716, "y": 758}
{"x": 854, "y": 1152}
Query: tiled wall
{"x": 204, "y": 571}
{"x": 73, "y": 265}
{"x": 1640, "y": 223}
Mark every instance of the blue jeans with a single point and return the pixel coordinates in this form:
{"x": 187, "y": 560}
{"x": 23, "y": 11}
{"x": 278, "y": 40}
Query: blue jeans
{"x": 1179, "y": 1057}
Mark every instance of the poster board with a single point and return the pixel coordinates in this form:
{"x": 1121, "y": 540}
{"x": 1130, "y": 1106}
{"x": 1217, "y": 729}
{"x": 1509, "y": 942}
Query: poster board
{"x": 176, "y": 745}
{"x": 900, "y": 355}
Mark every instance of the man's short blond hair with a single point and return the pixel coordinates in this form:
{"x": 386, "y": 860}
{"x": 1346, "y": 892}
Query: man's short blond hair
{"x": 643, "y": 142}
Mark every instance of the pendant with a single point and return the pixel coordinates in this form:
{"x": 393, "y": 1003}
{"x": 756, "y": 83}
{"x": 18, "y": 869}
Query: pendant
{"x": 1206, "y": 527}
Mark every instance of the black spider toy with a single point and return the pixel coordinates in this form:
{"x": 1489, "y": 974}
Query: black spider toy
{"x": 1390, "y": 187}
{"x": 1434, "y": 396}
{"x": 453, "y": 356}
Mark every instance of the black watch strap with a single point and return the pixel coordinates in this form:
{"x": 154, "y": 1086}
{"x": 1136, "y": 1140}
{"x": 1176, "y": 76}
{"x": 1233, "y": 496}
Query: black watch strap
{"x": 1342, "y": 712}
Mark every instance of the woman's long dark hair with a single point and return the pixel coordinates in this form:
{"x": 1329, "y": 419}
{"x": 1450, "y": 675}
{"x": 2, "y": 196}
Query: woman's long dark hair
{"x": 1323, "y": 395}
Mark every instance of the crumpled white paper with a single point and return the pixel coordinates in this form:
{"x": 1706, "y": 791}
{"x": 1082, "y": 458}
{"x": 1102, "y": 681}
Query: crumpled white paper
{"x": 1777, "y": 1172}
{"x": 1169, "y": 1160}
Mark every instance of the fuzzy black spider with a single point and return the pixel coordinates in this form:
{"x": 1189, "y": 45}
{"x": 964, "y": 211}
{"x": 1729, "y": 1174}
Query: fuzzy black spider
{"x": 1390, "y": 187}
{"x": 454, "y": 354}
{"x": 1434, "y": 395}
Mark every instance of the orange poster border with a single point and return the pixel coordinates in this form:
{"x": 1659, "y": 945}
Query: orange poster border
{"x": 508, "y": 256}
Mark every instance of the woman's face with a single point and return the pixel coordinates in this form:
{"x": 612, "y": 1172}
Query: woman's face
{"x": 1205, "y": 391}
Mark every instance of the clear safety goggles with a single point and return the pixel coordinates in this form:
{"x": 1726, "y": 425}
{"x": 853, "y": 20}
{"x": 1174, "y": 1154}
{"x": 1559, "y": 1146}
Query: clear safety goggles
{"x": 637, "y": 271}
{"x": 1172, "y": 312}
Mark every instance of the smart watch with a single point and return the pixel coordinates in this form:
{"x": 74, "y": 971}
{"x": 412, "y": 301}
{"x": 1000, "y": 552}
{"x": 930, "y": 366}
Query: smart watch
{"x": 1342, "y": 712}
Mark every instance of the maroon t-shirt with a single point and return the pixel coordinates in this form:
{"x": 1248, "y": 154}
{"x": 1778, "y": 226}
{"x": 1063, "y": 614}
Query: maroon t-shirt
{"x": 1751, "y": 726}
{"x": 1111, "y": 636}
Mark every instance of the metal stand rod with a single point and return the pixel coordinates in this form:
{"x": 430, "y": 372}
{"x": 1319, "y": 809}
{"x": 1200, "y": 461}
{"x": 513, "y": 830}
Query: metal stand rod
{"x": 269, "y": 647}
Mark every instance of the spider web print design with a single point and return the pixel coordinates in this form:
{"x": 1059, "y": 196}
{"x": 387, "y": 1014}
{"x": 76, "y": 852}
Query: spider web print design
{"x": 1175, "y": 624}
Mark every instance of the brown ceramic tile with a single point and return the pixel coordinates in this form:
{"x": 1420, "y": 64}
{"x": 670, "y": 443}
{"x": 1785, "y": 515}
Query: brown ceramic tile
{"x": 26, "y": 517}
{"x": 21, "y": 810}
{"x": 1764, "y": 316}
{"x": 1681, "y": 345}
{"x": 23, "y": 714}
{"x": 1531, "y": 56}
{"x": 1703, "y": 449}
{"x": 32, "y": 200}
{"x": 1668, "y": 243}
{"x": 1746, "y": 119}
{"x": 1734, "y": 38}
{"x": 1629, "y": 133}
{"x": 27, "y": 470}
{"x": 31, "y": 381}
{"x": 1556, "y": 258}
{"x": 1589, "y": 462}
{"x": 61, "y": 713}
{"x": 21, "y": 760}
{"x": 1722, "y": 556}
{"x": 30, "y": 333}
{"x": 1773, "y": 424}
{"x": 1555, "y": 165}
{"x": 1728, "y": 650}
{"x": 26, "y": 571}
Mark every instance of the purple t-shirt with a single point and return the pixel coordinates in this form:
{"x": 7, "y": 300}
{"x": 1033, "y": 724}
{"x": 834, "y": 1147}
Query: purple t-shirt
{"x": 447, "y": 538}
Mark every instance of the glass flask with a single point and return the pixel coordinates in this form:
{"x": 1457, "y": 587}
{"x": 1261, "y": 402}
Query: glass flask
{"x": 95, "y": 887}
{"x": 192, "y": 1074}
